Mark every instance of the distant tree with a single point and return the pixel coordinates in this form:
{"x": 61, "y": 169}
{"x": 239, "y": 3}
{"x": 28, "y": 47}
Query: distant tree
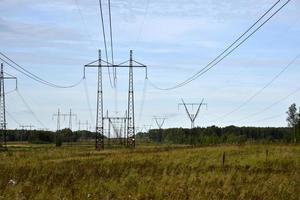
{"x": 293, "y": 118}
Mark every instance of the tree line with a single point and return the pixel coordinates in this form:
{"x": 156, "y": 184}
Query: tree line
{"x": 208, "y": 135}
{"x": 218, "y": 135}
{"x": 229, "y": 134}
{"x": 40, "y": 136}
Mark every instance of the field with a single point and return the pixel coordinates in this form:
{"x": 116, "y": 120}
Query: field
{"x": 150, "y": 172}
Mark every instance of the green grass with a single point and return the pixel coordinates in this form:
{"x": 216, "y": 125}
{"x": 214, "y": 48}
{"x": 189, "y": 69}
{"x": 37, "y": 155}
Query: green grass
{"x": 150, "y": 172}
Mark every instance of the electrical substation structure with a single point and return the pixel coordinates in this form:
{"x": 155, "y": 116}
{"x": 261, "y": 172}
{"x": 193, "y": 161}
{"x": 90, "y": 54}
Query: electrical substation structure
{"x": 192, "y": 116}
{"x": 3, "y": 145}
{"x": 119, "y": 132}
{"x": 130, "y": 130}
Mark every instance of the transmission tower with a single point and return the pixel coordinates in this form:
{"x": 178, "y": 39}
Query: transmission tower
{"x": 23, "y": 128}
{"x": 130, "y": 114}
{"x": 57, "y": 115}
{"x": 192, "y": 116}
{"x": 71, "y": 115}
{"x": 159, "y": 122}
{"x": 3, "y": 124}
{"x": 82, "y": 124}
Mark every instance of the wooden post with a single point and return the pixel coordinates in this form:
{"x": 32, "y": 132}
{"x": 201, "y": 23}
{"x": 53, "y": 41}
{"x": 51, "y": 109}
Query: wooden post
{"x": 223, "y": 159}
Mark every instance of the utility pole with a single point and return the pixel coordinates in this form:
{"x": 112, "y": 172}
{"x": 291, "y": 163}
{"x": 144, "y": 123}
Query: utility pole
{"x": 159, "y": 122}
{"x": 192, "y": 116}
{"x": 130, "y": 115}
{"x": 3, "y": 145}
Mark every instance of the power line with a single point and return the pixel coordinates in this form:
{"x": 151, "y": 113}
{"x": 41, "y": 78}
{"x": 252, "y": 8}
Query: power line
{"x": 262, "y": 89}
{"x": 269, "y": 118}
{"x": 30, "y": 109}
{"x": 143, "y": 22}
{"x": 32, "y": 76}
{"x": 88, "y": 100}
{"x": 270, "y": 106}
{"x": 14, "y": 119}
{"x": 221, "y": 56}
{"x": 111, "y": 42}
{"x": 86, "y": 31}
{"x": 112, "y": 57}
{"x": 140, "y": 116}
{"x": 104, "y": 39}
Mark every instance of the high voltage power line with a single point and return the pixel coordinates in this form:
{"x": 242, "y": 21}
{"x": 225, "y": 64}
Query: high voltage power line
{"x": 30, "y": 109}
{"x": 32, "y": 76}
{"x": 12, "y": 117}
{"x": 270, "y": 106}
{"x": 237, "y": 43}
{"x": 261, "y": 90}
{"x": 104, "y": 40}
{"x": 111, "y": 42}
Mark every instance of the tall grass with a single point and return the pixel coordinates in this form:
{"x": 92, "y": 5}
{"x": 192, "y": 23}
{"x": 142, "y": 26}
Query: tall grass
{"x": 75, "y": 172}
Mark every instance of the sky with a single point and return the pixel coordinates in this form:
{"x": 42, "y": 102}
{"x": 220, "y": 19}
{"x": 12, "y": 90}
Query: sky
{"x": 175, "y": 39}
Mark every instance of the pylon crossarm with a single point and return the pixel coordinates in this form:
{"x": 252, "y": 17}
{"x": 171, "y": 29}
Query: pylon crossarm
{"x": 198, "y": 109}
{"x": 97, "y": 61}
{"x": 187, "y": 111}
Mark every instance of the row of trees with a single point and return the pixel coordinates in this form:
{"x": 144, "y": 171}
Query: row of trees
{"x": 209, "y": 135}
{"x": 230, "y": 134}
{"x": 37, "y": 136}
{"x": 217, "y": 135}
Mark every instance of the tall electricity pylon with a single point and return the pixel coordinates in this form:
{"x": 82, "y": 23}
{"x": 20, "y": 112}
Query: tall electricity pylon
{"x": 159, "y": 122}
{"x": 130, "y": 115}
{"x": 192, "y": 116}
{"x": 57, "y": 115}
{"x": 71, "y": 115}
{"x": 3, "y": 124}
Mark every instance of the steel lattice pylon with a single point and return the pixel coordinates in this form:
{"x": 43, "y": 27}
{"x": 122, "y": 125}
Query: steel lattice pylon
{"x": 2, "y": 109}
{"x": 99, "y": 118}
{"x": 130, "y": 114}
{"x": 130, "y": 121}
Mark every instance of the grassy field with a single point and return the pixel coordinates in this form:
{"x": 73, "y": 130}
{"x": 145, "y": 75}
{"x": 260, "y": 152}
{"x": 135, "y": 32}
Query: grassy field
{"x": 149, "y": 172}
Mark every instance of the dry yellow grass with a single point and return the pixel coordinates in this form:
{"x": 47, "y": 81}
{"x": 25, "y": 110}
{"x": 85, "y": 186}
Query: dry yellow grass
{"x": 79, "y": 172}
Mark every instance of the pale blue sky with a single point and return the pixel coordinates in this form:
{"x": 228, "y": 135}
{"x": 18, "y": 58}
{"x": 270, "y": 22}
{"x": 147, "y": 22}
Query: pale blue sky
{"x": 174, "y": 38}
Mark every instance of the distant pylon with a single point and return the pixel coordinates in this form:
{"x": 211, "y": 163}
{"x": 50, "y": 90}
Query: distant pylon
{"x": 192, "y": 116}
{"x": 159, "y": 122}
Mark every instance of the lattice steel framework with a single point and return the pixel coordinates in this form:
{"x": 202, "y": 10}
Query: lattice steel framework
{"x": 130, "y": 114}
{"x": 3, "y": 108}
